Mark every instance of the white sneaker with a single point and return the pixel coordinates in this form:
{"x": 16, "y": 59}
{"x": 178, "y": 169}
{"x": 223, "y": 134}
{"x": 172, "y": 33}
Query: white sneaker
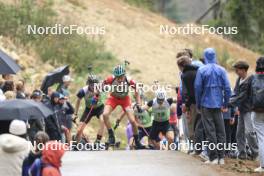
{"x": 221, "y": 161}
{"x": 204, "y": 156}
{"x": 207, "y": 162}
{"x": 192, "y": 153}
{"x": 256, "y": 158}
{"x": 259, "y": 169}
{"x": 214, "y": 162}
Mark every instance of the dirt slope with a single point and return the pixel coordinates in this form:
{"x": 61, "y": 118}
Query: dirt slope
{"x": 134, "y": 34}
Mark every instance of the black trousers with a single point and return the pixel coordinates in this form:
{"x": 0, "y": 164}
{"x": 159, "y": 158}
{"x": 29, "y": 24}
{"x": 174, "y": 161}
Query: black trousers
{"x": 215, "y": 132}
{"x": 199, "y": 132}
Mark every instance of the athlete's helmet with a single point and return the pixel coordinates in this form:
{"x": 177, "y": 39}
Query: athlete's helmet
{"x": 119, "y": 70}
{"x": 160, "y": 95}
{"x": 92, "y": 79}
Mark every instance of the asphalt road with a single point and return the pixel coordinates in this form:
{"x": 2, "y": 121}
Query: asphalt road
{"x": 134, "y": 163}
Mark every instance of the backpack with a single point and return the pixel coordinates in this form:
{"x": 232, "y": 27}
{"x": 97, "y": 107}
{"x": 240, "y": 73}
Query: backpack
{"x": 257, "y": 88}
{"x": 25, "y": 167}
{"x": 28, "y": 161}
{"x": 36, "y": 168}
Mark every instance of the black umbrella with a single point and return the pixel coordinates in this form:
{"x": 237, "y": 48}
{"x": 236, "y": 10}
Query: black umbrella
{"x": 54, "y": 77}
{"x": 7, "y": 64}
{"x": 23, "y": 110}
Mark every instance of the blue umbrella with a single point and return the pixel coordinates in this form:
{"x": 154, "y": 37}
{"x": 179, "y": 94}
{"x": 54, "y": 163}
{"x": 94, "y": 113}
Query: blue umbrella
{"x": 7, "y": 64}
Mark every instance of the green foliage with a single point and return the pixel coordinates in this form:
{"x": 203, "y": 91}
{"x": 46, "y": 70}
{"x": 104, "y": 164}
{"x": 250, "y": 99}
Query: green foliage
{"x": 240, "y": 16}
{"x": 247, "y": 15}
{"x": 171, "y": 10}
{"x": 167, "y": 7}
{"x": 75, "y": 50}
{"x": 225, "y": 60}
{"x": 77, "y": 3}
{"x": 197, "y": 52}
{"x": 134, "y": 71}
{"x": 15, "y": 19}
{"x": 147, "y": 4}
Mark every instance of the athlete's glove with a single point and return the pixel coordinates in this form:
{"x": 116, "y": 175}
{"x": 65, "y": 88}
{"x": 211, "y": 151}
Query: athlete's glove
{"x": 139, "y": 109}
{"x": 117, "y": 123}
{"x": 95, "y": 100}
{"x": 75, "y": 118}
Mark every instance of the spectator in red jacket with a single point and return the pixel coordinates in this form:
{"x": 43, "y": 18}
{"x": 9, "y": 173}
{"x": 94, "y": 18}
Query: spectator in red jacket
{"x": 52, "y": 158}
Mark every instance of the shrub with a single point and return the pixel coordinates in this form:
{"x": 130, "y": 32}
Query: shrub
{"x": 75, "y": 50}
{"x": 147, "y": 4}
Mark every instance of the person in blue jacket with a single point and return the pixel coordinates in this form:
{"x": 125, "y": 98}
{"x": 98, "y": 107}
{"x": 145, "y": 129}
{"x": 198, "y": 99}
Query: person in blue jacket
{"x": 212, "y": 93}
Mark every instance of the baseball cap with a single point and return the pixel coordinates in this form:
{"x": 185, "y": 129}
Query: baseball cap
{"x": 36, "y": 93}
{"x": 61, "y": 96}
{"x": 66, "y": 78}
{"x": 241, "y": 65}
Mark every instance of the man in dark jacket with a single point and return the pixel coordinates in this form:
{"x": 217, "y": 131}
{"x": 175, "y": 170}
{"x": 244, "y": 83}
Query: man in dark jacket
{"x": 188, "y": 76}
{"x": 35, "y": 124}
{"x": 241, "y": 99}
{"x": 52, "y": 123}
{"x": 64, "y": 111}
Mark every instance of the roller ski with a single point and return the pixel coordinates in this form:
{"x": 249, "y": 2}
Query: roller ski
{"x": 112, "y": 143}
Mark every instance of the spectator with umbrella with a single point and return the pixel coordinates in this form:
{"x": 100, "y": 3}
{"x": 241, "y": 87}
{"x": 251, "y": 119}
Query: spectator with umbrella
{"x": 35, "y": 125}
{"x": 25, "y": 110}
{"x": 54, "y": 77}
{"x": 65, "y": 105}
{"x": 7, "y": 67}
{"x": 52, "y": 125}
{"x": 63, "y": 88}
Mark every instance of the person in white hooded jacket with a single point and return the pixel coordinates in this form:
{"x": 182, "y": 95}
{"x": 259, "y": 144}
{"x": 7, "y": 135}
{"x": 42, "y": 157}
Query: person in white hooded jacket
{"x": 13, "y": 149}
